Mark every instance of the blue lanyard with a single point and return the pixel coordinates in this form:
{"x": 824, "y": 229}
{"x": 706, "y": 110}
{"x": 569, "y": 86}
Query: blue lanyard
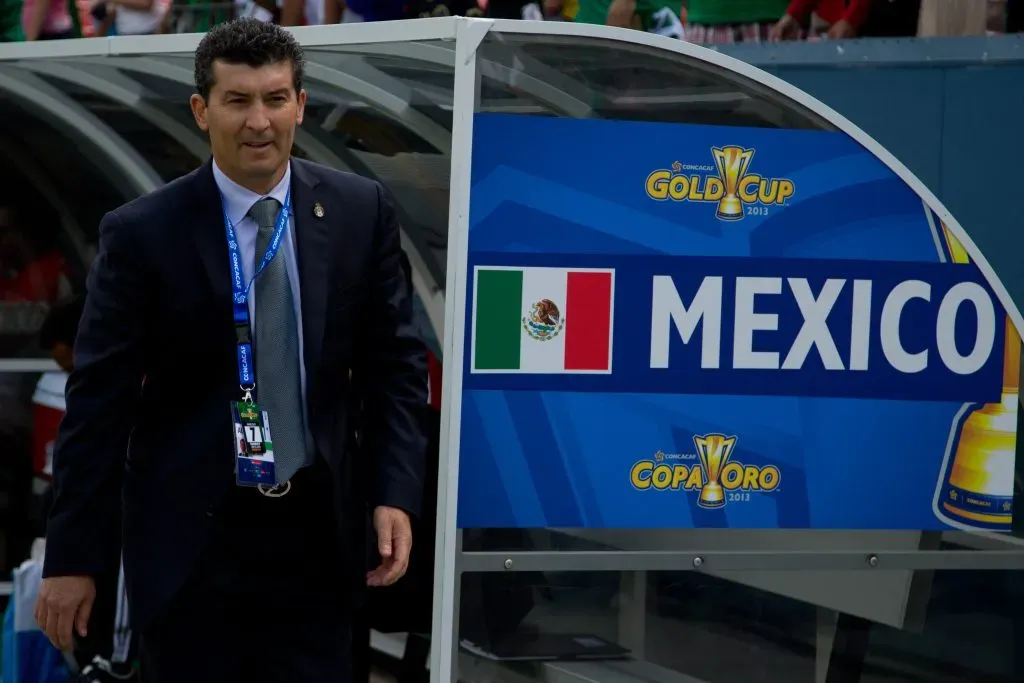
{"x": 240, "y": 290}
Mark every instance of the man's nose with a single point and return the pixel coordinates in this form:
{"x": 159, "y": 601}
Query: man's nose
{"x": 257, "y": 119}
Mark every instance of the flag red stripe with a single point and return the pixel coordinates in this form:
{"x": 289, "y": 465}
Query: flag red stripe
{"x": 588, "y": 314}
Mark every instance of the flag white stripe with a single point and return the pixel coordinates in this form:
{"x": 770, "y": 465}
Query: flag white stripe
{"x": 536, "y": 355}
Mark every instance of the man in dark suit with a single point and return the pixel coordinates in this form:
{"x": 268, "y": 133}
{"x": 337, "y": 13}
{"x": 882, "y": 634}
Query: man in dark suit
{"x": 231, "y": 576}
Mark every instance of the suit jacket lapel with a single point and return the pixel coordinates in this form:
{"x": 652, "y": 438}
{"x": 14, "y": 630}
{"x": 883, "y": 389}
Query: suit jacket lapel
{"x": 312, "y": 251}
{"x": 211, "y": 242}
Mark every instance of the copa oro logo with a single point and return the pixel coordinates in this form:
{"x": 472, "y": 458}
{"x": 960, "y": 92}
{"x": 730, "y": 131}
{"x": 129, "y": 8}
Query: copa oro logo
{"x": 737, "y": 191}
{"x": 712, "y": 473}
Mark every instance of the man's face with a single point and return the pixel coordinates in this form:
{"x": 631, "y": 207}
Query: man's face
{"x": 251, "y": 114}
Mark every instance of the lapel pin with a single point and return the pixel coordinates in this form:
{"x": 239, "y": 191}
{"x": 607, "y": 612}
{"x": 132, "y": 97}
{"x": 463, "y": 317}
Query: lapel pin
{"x": 318, "y": 210}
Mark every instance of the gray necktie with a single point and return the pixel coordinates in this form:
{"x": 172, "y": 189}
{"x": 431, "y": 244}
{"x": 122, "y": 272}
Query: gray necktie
{"x": 277, "y": 349}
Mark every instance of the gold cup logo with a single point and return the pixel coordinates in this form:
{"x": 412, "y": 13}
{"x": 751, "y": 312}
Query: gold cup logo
{"x": 732, "y": 163}
{"x": 976, "y": 488}
{"x": 714, "y": 451}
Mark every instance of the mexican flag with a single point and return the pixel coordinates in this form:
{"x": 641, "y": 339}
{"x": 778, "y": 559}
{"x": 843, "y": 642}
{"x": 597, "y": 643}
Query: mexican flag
{"x": 542, "y": 320}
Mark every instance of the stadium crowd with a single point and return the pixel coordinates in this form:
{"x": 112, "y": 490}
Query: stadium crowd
{"x": 698, "y": 21}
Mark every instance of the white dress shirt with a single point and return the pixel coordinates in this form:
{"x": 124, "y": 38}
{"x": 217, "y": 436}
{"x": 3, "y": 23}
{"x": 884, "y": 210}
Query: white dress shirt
{"x": 237, "y": 201}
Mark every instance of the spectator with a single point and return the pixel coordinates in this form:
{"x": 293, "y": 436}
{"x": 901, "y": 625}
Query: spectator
{"x": 422, "y": 9}
{"x": 263, "y": 10}
{"x": 958, "y": 17}
{"x": 57, "y": 334}
{"x": 843, "y": 18}
{"x": 892, "y": 19}
{"x": 303, "y": 12}
{"x": 357, "y": 11}
{"x": 24, "y": 275}
{"x": 82, "y": 23}
{"x": 10, "y": 21}
{"x": 46, "y": 20}
{"x": 655, "y": 16}
{"x": 712, "y": 22}
{"x": 138, "y": 17}
{"x": 564, "y": 10}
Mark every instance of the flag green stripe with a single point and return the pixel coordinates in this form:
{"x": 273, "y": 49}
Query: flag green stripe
{"x": 499, "y": 298}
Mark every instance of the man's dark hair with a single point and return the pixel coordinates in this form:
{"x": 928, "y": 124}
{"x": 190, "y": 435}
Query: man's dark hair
{"x": 61, "y": 323}
{"x": 246, "y": 41}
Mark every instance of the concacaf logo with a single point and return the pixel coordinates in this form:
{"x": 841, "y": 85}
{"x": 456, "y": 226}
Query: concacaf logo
{"x": 716, "y": 477}
{"x": 738, "y": 192}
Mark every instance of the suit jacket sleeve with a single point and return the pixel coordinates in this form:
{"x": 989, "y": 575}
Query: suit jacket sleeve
{"x": 83, "y": 531}
{"x": 394, "y": 375}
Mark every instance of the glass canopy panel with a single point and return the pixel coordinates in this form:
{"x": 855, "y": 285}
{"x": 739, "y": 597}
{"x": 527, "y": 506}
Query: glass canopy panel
{"x": 396, "y": 128}
{"x": 615, "y": 80}
{"x": 155, "y": 127}
{"x": 689, "y": 627}
{"x": 53, "y": 192}
{"x": 902, "y": 623}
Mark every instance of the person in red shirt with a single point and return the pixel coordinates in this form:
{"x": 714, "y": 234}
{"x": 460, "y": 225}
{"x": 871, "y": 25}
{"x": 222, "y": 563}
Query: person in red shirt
{"x": 26, "y": 275}
{"x": 844, "y": 18}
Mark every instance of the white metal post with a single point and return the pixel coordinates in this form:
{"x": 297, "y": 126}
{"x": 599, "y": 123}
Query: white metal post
{"x": 468, "y": 36}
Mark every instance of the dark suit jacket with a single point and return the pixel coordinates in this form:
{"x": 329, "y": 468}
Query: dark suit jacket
{"x": 155, "y": 369}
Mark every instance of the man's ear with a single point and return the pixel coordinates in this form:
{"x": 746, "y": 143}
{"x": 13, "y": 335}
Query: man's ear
{"x": 198, "y": 105}
{"x": 302, "y": 107}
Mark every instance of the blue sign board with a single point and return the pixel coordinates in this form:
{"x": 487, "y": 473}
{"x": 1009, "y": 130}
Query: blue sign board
{"x": 684, "y": 326}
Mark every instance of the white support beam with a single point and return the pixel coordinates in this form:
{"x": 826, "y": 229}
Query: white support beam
{"x": 21, "y": 158}
{"x": 112, "y": 84}
{"x": 76, "y": 121}
{"x": 384, "y": 93}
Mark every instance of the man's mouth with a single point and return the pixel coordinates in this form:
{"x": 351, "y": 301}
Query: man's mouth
{"x": 258, "y": 145}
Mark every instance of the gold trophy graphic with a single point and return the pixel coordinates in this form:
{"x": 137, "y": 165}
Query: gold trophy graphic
{"x": 714, "y": 451}
{"x": 732, "y": 165}
{"x": 976, "y": 486}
